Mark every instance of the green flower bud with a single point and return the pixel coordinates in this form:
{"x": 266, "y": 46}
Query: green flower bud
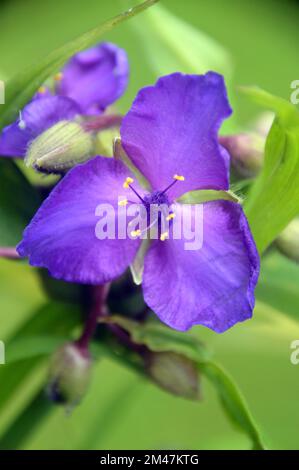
{"x": 60, "y": 147}
{"x": 175, "y": 373}
{"x": 246, "y": 151}
{"x": 288, "y": 241}
{"x": 69, "y": 375}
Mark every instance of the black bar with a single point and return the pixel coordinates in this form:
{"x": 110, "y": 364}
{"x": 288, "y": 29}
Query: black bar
{"x": 134, "y": 459}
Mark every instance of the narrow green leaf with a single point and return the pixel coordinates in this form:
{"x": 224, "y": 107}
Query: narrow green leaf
{"x": 33, "y": 346}
{"x": 161, "y": 338}
{"x": 278, "y": 286}
{"x": 26, "y": 422}
{"x": 273, "y": 199}
{"x": 201, "y": 196}
{"x": 233, "y": 402}
{"x": 22, "y": 357}
{"x": 20, "y": 89}
{"x": 173, "y": 45}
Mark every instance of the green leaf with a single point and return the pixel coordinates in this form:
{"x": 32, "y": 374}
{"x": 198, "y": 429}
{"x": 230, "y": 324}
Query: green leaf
{"x": 26, "y": 423}
{"x": 278, "y": 286}
{"x": 159, "y": 338}
{"x": 20, "y": 89}
{"x": 201, "y": 196}
{"x": 19, "y": 201}
{"x": 273, "y": 199}
{"x": 173, "y": 45}
{"x": 55, "y": 319}
{"x": 27, "y": 346}
{"x": 233, "y": 402}
{"x": 33, "y": 346}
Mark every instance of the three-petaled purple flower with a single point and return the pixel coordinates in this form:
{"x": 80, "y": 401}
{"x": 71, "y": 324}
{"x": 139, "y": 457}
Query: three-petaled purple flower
{"x": 90, "y": 81}
{"x": 171, "y": 129}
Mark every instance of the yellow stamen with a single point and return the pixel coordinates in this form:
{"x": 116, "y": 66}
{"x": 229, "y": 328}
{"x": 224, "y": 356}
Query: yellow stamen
{"x": 163, "y": 236}
{"x": 124, "y": 202}
{"x": 58, "y": 76}
{"x": 170, "y": 216}
{"x": 42, "y": 90}
{"x": 128, "y": 182}
{"x": 179, "y": 177}
{"x": 136, "y": 233}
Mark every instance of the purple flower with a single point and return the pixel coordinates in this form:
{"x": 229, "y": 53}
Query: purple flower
{"x": 90, "y": 81}
{"x": 170, "y": 132}
{"x": 95, "y": 78}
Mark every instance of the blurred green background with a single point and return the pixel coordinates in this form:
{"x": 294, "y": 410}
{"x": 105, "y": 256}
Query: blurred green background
{"x": 121, "y": 410}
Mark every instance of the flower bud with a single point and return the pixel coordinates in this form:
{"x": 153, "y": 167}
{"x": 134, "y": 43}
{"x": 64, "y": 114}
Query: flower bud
{"x": 175, "y": 373}
{"x": 69, "y": 375}
{"x": 288, "y": 241}
{"x": 246, "y": 151}
{"x": 60, "y": 147}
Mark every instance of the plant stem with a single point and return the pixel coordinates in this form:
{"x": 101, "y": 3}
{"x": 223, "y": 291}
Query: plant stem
{"x": 9, "y": 252}
{"x": 105, "y": 121}
{"x": 98, "y": 309}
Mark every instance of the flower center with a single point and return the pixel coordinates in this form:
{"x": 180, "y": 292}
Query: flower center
{"x": 157, "y": 207}
{"x": 157, "y": 198}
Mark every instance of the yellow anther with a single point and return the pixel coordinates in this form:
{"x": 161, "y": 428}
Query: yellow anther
{"x": 124, "y": 202}
{"x": 58, "y": 76}
{"x": 42, "y": 90}
{"x": 136, "y": 233}
{"x": 179, "y": 177}
{"x": 163, "y": 236}
{"x": 128, "y": 182}
{"x": 170, "y": 216}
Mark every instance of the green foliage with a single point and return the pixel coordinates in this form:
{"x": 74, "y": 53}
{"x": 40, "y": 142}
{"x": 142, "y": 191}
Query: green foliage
{"x": 28, "y": 420}
{"x": 159, "y": 338}
{"x": 198, "y": 197}
{"x": 273, "y": 200}
{"x": 178, "y": 46}
{"x": 20, "y": 89}
{"x": 233, "y": 402}
{"x": 29, "y": 344}
{"x": 278, "y": 286}
{"x": 19, "y": 201}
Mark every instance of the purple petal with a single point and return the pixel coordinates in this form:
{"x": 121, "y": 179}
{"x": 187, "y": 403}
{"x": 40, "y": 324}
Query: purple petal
{"x": 36, "y": 117}
{"x": 61, "y": 237}
{"x": 172, "y": 129}
{"x": 95, "y": 78}
{"x": 213, "y": 286}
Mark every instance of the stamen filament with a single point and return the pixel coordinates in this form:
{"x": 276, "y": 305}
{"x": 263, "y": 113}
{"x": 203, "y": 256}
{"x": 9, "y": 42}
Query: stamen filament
{"x": 127, "y": 184}
{"x": 176, "y": 179}
{"x": 134, "y": 191}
